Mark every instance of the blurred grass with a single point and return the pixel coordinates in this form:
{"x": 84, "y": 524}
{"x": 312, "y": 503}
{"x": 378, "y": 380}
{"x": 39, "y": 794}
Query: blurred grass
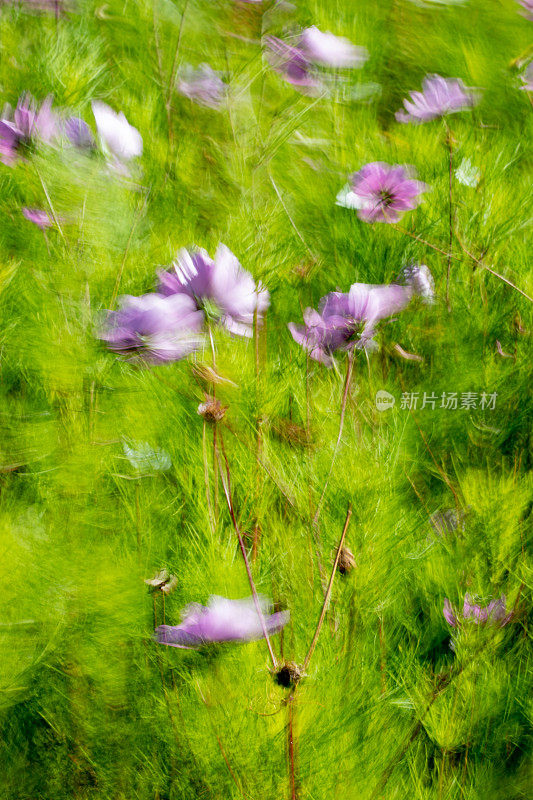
{"x": 89, "y": 707}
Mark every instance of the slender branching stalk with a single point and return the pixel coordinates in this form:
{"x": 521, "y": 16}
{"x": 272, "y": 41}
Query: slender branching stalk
{"x": 328, "y": 592}
{"x": 346, "y": 388}
{"x": 226, "y": 485}
{"x": 449, "y": 145}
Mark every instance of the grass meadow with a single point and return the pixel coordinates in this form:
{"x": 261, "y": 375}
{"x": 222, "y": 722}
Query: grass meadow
{"x": 395, "y": 703}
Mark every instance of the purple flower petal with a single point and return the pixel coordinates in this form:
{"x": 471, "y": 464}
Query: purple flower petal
{"x": 439, "y": 96}
{"x": 385, "y": 192}
{"x": 222, "y": 620}
{"x": 40, "y": 218}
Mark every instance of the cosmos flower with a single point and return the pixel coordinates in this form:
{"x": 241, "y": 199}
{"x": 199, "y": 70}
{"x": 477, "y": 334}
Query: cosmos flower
{"x": 27, "y": 125}
{"x": 381, "y": 192}
{"x": 348, "y": 320}
{"x": 202, "y": 86}
{"x": 291, "y": 62}
{"x": 222, "y": 620}
{"x": 221, "y": 289}
{"x": 494, "y": 612}
{"x": 40, "y": 218}
{"x": 118, "y": 137}
{"x": 528, "y": 8}
{"x": 154, "y": 328}
{"x": 78, "y": 133}
{"x": 439, "y": 96}
{"x": 330, "y": 50}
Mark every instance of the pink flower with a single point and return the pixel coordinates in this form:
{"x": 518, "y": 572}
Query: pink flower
{"x": 222, "y": 620}
{"x": 383, "y": 193}
{"x": 440, "y": 96}
{"x": 528, "y": 7}
{"x": 40, "y": 218}
{"x": 203, "y": 86}
{"x": 494, "y": 612}
{"x": 292, "y": 63}
{"x": 121, "y": 139}
{"x": 222, "y": 290}
{"x": 330, "y": 50}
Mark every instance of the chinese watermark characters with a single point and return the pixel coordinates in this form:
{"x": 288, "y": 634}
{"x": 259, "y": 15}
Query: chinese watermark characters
{"x": 449, "y": 401}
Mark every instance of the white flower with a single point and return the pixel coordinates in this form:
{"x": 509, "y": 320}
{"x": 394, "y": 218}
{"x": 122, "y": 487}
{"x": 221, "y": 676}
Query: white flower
{"x": 467, "y": 174}
{"x": 118, "y": 136}
{"x": 348, "y": 199}
{"x": 331, "y": 50}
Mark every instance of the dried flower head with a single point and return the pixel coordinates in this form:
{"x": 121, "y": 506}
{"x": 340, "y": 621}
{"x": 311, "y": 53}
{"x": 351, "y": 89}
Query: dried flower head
{"x": 206, "y": 373}
{"x": 163, "y": 581}
{"x": 288, "y": 675}
{"x": 212, "y": 410}
{"x": 346, "y": 561}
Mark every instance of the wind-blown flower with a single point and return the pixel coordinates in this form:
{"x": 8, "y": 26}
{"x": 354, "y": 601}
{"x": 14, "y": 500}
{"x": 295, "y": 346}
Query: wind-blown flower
{"x": 27, "y": 125}
{"x": 291, "y": 62}
{"x": 528, "y": 8}
{"x": 382, "y": 192}
{"x": 527, "y": 78}
{"x": 154, "y": 328}
{"x": 120, "y": 138}
{"x": 222, "y": 620}
{"x": 78, "y": 133}
{"x": 347, "y": 321}
{"x": 495, "y": 612}
{"x": 202, "y": 86}
{"x": 330, "y": 50}
{"x": 439, "y": 96}
{"x": 39, "y": 217}
{"x": 221, "y": 288}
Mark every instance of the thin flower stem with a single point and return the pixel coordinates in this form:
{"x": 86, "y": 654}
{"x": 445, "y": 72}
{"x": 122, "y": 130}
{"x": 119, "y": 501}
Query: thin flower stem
{"x": 136, "y": 219}
{"x": 54, "y": 215}
{"x": 425, "y": 241}
{"x": 259, "y": 436}
{"x": 482, "y": 264}
{"x": 449, "y": 145}
{"x": 291, "y": 742}
{"x": 221, "y": 747}
{"x": 300, "y": 237}
{"x": 349, "y": 370}
{"x": 206, "y": 479}
{"x": 328, "y": 592}
{"x": 458, "y": 258}
{"x": 173, "y": 69}
{"x": 226, "y": 485}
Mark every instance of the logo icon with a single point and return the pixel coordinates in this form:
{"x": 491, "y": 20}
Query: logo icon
{"x": 384, "y": 400}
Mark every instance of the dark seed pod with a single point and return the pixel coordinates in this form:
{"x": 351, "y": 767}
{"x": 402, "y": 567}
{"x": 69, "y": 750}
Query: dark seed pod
{"x": 212, "y": 410}
{"x": 288, "y": 675}
{"x": 346, "y": 561}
